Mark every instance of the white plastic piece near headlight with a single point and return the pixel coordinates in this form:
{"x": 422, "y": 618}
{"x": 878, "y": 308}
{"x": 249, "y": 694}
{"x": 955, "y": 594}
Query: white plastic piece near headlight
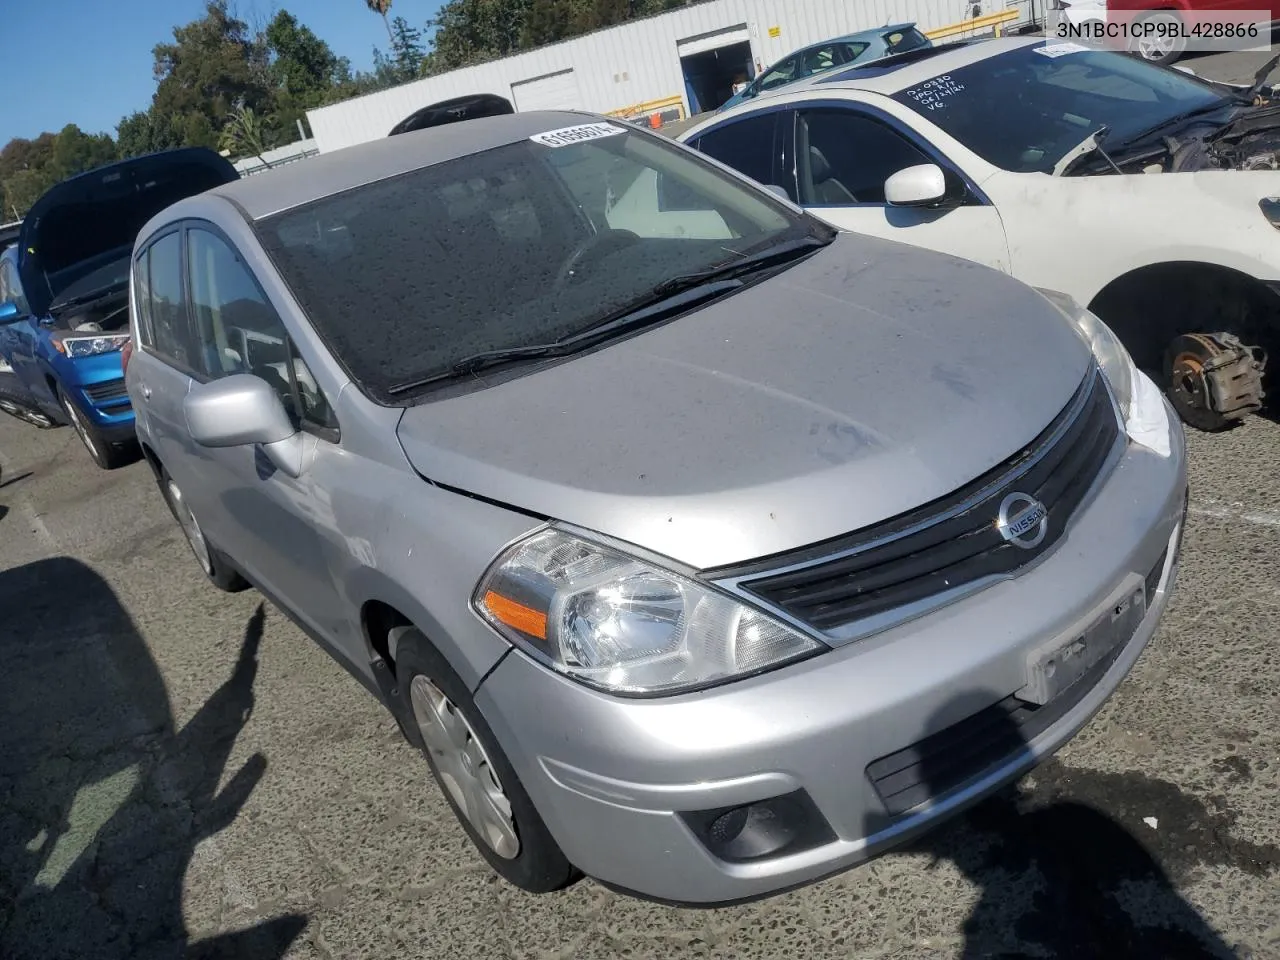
{"x": 624, "y": 625}
{"x": 1141, "y": 403}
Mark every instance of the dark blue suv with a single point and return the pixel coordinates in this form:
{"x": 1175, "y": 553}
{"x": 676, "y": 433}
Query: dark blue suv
{"x": 64, "y": 294}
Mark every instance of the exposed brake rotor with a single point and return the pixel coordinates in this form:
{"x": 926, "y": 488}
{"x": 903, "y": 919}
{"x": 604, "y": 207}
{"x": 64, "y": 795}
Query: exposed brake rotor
{"x": 1213, "y": 379}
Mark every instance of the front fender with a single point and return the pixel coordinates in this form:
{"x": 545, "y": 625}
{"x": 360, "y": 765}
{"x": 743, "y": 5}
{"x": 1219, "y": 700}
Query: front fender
{"x": 428, "y": 549}
{"x": 1078, "y": 234}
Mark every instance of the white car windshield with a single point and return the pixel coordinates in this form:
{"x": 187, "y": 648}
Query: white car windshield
{"x": 1025, "y": 109}
{"x": 514, "y": 246}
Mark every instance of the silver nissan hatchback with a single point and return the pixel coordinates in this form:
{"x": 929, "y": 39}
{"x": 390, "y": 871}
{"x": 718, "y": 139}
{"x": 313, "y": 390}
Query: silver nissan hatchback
{"x": 702, "y": 549}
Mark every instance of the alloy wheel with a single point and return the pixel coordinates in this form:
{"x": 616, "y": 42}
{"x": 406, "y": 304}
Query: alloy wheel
{"x": 190, "y": 528}
{"x": 464, "y": 767}
{"x": 1155, "y": 48}
{"x": 77, "y": 421}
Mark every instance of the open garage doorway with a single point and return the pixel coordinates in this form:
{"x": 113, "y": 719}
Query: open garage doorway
{"x": 714, "y": 65}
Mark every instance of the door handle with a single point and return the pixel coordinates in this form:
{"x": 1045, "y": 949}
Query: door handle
{"x": 146, "y": 392}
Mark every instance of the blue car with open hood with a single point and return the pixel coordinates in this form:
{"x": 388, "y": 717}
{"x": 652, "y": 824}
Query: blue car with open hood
{"x": 64, "y": 294}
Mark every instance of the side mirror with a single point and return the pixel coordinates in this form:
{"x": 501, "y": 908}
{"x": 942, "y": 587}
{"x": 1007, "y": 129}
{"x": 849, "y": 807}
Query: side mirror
{"x": 9, "y": 312}
{"x": 1187, "y": 70}
{"x": 920, "y": 186}
{"x": 780, "y": 191}
{"x": 241, "y": 410}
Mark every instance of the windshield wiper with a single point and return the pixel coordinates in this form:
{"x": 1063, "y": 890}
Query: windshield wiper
{"x": 93, "y": 295}
{"x": 641, "y": 313}
{"x": 747, "y": 264}
{"x": 667, "y": 297}
{"x": 1176, "y": 118}
{"x": 1090, "y": 144}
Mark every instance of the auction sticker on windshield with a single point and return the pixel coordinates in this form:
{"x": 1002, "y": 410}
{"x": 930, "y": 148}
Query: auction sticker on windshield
{"x": 567, "y": 135}
{"x": 1055, "y": 50}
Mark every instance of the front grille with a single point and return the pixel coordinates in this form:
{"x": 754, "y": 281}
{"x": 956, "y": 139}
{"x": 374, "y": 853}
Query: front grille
{"x": 953, "y": 542}
{"x": 106, "y": 391}
{"x": 982, "y": 742}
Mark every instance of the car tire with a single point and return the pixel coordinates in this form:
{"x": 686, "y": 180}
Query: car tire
{"x": 1156, "y": 49}
{"x": 467, "y": 762}
{"x": 217, "y": 569}
{"x": 106, "y": 454}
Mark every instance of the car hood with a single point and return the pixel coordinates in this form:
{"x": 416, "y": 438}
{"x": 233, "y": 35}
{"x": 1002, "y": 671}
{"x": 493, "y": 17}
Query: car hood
{"x": 869, "y": 379}
{"x": 82, "y": 223}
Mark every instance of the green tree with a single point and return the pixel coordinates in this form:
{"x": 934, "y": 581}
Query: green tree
{"x": 382, "y": 8}
{"x": 302, "y": 65}
{"x": 546, "y": 21}
{"x": 147, "y": 131}
{"x": 473, "y": 31}
{"x": 212, "y": 64}
{"x": 24, "y": 188}
{"x": 30, "y": 167}
{"x": 244, "y": 134}
{"x": 22, "y": 154}
{"x": 75, "y": 151}
{"x": 406, "y": 48}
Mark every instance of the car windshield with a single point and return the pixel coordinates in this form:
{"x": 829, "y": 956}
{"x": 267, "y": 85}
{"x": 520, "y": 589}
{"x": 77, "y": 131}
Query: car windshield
{"x": 511, "y": 247}
{"x": 1025, "y": 109}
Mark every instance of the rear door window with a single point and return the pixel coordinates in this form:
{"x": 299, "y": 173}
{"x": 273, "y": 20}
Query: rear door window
{"x": 171, "y": 336}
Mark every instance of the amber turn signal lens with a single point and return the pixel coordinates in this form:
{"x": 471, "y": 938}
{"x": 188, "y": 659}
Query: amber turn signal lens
{"x": 516, "y": 615}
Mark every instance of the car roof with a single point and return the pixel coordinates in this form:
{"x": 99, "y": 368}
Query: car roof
{"x": 846, "y": 38}
{"x": 894, "y": 73}
{"x": 863, "y": 34}
{"x": 326, "y": 174}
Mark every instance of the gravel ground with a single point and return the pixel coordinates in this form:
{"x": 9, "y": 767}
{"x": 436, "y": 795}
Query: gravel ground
{"x": 182, "y": 773}
{"x": 181, "y": 769}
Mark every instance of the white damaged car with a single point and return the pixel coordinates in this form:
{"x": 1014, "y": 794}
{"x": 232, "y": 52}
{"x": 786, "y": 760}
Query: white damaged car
{"x": 1147, "y": 194}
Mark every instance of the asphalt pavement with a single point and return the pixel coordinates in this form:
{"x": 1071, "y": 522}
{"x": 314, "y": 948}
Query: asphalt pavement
{"x": 183, "y": 773}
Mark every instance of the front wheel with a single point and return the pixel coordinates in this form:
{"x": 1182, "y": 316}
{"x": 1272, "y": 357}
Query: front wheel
{"x": 215, "y": 567}
{"x": 105, "y": 453}
{"x": 1213, "y": 380}
{"x": 473, "y": 773}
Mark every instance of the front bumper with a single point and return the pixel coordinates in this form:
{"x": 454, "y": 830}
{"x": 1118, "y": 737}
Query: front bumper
{"x": 616, "y": 780}
{"x": 96, "y": 385}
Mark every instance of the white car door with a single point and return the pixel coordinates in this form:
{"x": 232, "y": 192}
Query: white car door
{"x": 843, "y": 155}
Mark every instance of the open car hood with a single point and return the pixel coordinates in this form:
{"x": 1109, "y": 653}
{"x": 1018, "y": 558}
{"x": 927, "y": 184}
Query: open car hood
{"x": 83, "y": 223}
{"x": 469, "y": 107}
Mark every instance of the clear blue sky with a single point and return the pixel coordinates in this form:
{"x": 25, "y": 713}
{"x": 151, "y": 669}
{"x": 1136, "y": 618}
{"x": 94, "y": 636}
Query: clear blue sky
{"x": 88, "y": 62}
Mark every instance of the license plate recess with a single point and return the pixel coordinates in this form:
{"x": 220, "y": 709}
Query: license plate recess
{"x": 1054, "y": 667}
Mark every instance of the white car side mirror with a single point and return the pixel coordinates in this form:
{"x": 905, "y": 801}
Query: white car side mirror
{"x": 1186, "y": 70}
{"x": 775, "y": 189}
{"x": 917, "y": 186}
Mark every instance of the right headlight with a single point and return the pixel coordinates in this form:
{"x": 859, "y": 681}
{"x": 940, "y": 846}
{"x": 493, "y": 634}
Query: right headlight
{"x": 81, "y": 345}
{"x": 1141, "y": 403}
{"x": 625, "y": 625}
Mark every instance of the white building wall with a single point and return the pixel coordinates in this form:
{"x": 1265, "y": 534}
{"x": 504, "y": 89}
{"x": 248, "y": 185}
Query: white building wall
{"x": 636, "y": 62}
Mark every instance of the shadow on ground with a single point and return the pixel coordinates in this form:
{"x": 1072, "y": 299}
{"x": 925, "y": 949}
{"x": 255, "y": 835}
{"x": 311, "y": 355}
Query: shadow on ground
{"x": 102, "y": 800}
{"x": 1056, "y": 876}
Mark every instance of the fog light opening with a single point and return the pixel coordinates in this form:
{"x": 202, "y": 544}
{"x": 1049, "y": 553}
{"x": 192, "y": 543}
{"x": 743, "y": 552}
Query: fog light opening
{"x": 763, "y": 829}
